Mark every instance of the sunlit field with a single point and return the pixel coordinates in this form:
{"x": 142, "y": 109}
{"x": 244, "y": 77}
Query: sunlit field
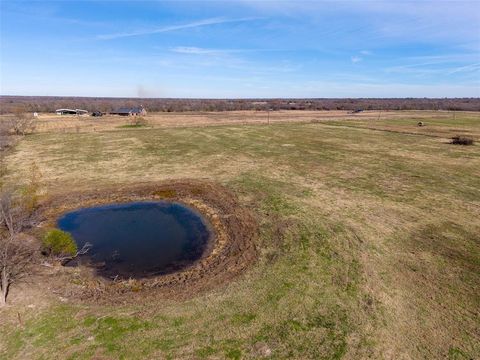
{"x": 368, "y": 242}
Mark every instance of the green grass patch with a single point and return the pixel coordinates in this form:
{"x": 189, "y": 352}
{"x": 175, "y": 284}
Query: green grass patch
{"x": 132, "y": 126}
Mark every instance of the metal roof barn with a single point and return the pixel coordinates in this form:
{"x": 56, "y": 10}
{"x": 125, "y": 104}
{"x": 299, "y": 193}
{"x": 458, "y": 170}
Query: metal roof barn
{"x": 71, "y": 112}
{"x": 130, "y": 111}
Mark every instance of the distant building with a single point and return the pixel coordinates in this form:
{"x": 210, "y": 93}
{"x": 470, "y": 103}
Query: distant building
{"x": 130, "y": 111}
{"x": 71, "y": 112}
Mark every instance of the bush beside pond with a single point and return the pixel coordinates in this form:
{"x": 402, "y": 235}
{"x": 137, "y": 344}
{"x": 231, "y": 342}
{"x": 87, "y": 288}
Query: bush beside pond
{"x": 59, "y": 243}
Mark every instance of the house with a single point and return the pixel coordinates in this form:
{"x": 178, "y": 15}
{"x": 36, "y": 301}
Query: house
{"x": 130, "y": 111}
{"x": 71, "y": 112}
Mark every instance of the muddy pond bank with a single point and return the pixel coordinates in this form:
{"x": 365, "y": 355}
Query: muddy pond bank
{"x": 230, "y": 250}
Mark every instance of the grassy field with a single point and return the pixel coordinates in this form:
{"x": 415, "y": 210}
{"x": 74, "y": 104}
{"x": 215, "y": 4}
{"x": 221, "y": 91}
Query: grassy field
{"x": 399, "y": 120}
{"x": 369, "y": 242}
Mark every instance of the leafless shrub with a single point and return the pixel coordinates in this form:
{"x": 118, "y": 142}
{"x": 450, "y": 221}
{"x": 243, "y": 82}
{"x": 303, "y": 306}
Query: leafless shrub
{"x": 17, "y": 255}
{"x": 31, "y": 190}
{"x": 21, "y": 123}
{"x": 3, "y": 166}
{"x": 6, "y": 138}
{"x": 13, "y": 126}
{"x": 139, "y": 121}
{"x": 84, "y": 250}
{"x": 462, "y": 140}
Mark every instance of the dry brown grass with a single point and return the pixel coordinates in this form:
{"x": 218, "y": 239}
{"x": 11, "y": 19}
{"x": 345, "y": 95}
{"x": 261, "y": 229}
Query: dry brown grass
{"x": 375, "y": 119}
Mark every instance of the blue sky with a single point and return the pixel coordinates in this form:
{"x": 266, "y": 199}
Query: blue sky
{"x": 235, "y": 49}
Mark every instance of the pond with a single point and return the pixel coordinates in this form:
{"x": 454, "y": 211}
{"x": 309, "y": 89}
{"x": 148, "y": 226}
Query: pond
{"x": 138, "y": 239}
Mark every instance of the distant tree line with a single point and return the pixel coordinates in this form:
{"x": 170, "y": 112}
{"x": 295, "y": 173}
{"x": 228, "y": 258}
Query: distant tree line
{"x": 12, "y": 104}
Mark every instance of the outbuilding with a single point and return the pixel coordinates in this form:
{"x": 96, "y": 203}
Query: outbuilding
{"x": 130, "y": 111}
{"x": 71, "y": 112}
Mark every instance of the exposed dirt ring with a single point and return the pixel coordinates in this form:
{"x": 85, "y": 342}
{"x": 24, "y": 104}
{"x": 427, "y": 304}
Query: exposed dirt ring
{"x": 232, "y": 247}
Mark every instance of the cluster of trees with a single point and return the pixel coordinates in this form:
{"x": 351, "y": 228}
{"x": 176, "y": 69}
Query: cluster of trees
{"x": 19, "y": 251}
{"x": 10, "y": 104}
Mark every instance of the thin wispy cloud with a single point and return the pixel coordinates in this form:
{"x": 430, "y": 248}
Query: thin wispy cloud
{"x": 467, "y": 68}
{"x": 357, "y": 58}
{"x": 437, "y": 59}
{"x": 408, "y": 67}
{"x": 163, "y": 29}
{"x": 192, "y": 50}
{"x": 435, "y": 67}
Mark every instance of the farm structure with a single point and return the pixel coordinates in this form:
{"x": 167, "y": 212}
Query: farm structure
{"x": 130, "y": 111}
{"x": 71, "y": 112}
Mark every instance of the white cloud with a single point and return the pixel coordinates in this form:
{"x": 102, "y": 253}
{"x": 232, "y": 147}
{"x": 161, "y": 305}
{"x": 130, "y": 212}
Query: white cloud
{"x": 356, "y": 59}
{"x": 389, "y": 19}
{"x": 467, "y": 68}
{"x": 193, "y": 50}
{"x": 195, "y": 24}
{"x": 435, "y": 67}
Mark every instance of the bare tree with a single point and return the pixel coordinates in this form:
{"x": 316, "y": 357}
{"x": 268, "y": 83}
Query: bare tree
{"x": 21, "y": 123}
{"x": 67, "y": 258}
{"x": 6, "y": 138}
{"x": 16, "y": 254}
{"x": 139, "y": 121}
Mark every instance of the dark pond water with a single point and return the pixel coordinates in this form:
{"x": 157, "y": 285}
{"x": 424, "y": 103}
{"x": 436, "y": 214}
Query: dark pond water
{"x": 138, "y": 239}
